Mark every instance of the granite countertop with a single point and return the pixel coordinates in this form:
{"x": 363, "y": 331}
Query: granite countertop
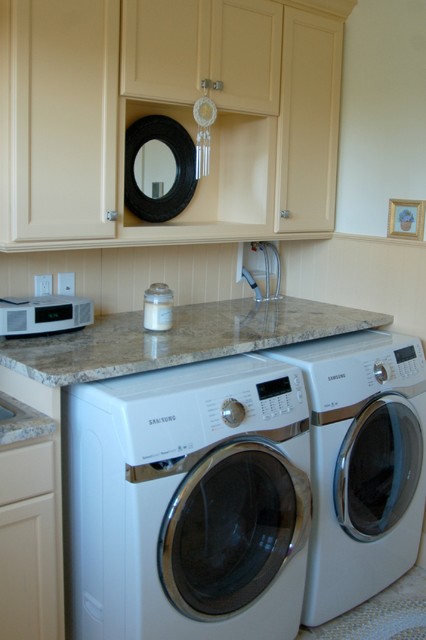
{"x": 28, "y": 423}
{"x": 118, "y": 345}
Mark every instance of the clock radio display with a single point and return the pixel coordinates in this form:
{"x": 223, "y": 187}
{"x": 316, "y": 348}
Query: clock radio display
{"x": 53, "y": 313}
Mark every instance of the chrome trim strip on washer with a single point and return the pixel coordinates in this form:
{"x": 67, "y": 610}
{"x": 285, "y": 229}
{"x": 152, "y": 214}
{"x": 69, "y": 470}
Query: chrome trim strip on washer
{"x": 323, "y": 418}
{"x": 181, "y": 464}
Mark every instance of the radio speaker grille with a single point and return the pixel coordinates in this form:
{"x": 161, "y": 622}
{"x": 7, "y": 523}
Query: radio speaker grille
{"x": 16, "y": 321}
{"x": 82, "y": 314}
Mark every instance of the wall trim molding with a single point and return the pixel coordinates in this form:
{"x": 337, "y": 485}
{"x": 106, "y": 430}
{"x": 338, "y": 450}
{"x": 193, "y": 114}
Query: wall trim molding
{"x": 378, "y": 239}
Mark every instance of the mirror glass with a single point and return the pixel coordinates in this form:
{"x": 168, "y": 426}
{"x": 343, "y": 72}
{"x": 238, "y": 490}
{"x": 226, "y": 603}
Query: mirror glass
{"x": 155, "y": 169}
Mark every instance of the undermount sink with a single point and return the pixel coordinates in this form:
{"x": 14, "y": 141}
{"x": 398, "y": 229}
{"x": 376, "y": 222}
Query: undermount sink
{"x": 6, "y": 414}
{"x": 9, "y": 412}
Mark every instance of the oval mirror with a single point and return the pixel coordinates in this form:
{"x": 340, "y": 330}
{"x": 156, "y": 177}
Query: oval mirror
{"x": 159, "y": 168}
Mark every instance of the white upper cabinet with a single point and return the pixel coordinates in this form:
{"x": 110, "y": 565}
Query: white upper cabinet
{"x": 63, "y": 75}
{"x": 274, "y": 73}
{"x": 169, "y": 47}
{"x": 308, "y": 127}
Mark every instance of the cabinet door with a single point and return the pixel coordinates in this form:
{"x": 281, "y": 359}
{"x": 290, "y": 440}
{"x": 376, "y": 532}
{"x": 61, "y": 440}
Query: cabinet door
{"x": 165, "y": 49}
{"x": 28, "y": 583}
{"x": 246, "y": 54}
{"x": 64, "y": 74}
{"x": 168, "y": 47}
{"x": 309, "y": 122}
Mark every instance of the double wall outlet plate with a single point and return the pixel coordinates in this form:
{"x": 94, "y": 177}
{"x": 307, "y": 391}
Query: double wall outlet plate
{"x": 43, "y": 284}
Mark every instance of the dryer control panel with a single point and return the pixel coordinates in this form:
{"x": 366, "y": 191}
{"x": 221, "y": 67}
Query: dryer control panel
{"x": 342, "y": 371}
{"x": 404, "y": 365}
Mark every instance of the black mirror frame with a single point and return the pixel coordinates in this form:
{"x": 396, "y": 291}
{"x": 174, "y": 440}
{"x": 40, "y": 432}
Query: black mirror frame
{"x": 171, "y": 133}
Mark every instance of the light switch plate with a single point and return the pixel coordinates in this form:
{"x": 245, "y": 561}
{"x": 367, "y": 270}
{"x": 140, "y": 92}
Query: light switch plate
{"x": 66, "y": 284}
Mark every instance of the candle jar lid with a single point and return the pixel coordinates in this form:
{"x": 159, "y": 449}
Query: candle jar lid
{"x": 158, "y": 291}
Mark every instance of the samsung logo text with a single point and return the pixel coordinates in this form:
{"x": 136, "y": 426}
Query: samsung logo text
{"x": 161, "y": 420}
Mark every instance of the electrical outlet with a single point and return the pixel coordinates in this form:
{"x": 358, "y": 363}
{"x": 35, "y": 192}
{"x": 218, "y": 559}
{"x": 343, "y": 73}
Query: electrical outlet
{"x": 43, "y": 285}
{"x": 66, "y": 284}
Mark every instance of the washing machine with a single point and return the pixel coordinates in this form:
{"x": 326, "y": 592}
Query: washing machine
{"x": 187, "y": 502}
{"x": 367, "y": 394}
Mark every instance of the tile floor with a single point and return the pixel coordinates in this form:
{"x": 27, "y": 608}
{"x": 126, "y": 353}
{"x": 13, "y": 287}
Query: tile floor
{"x": 412, "y": 585}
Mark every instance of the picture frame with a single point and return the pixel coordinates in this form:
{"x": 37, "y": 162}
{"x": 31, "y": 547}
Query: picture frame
{"x": 406, "y": 219}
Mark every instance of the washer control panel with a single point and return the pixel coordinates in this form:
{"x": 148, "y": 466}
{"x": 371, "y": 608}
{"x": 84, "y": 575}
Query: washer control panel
{"x": 272, "y": 403}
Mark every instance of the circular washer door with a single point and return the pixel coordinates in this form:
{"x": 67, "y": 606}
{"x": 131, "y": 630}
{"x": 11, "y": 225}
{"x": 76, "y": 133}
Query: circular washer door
{"x": 236, "y": 518}
{"x": 378, "y": 467}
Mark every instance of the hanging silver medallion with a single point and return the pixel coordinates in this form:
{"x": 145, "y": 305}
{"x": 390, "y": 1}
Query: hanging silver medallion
{"x": 205, "y": 113}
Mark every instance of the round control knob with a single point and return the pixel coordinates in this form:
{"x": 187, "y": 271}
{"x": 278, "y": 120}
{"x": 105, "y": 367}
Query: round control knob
{"x": 232, "y": 412}
{"x": 380, "y": 372}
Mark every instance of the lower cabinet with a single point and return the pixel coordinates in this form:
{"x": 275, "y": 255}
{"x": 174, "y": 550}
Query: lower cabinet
{"x": 30, "y": 594}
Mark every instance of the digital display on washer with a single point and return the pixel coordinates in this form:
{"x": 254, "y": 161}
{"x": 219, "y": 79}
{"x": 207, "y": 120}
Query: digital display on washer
{"x": 405, "y": 354}
{"x": 273, "y": 388}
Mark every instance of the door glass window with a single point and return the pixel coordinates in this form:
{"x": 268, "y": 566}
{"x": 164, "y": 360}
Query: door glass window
{"x": 230, "y": 533}
{"x": 378, "y": 467}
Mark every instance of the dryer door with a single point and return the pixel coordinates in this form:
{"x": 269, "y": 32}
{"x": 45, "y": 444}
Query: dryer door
{"x": 378, "y": 467}
{"x": 241, "y": 513}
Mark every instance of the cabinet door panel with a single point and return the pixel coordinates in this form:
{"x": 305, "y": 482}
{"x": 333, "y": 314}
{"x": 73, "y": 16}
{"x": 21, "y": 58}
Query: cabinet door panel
{"x": 246, "y": 54}
{"x": 65, "y": 77}
{"x": 308, "y": 127}
{"x": 37, "y": 461}
{"x": 165, "y": 48}
{"x": 28, "y": 584}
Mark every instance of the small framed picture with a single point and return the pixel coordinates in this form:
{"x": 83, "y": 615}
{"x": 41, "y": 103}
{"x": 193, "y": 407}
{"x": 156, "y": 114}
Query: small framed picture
{"x": 406, "y": 219}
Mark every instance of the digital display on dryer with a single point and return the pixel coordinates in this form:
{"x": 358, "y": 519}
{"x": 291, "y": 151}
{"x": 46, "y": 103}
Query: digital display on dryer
{"x": 273, "y": 388}
{"x": 405, "y": 354}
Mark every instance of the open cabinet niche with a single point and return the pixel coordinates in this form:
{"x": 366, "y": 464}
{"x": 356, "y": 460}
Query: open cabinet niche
{"x": 235, "y": 201}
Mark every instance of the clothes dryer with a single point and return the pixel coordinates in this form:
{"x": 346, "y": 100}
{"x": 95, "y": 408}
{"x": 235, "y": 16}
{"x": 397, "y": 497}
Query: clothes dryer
{"x": 188, "y": 502}
{"x": 367, "y": 393}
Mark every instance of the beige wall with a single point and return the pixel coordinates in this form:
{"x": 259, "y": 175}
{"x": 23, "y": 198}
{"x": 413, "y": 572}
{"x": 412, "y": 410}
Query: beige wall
{"x": 383, "y": 124}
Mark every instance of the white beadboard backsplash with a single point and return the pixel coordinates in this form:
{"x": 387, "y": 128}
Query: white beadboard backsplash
{"x": 116, "y": 278}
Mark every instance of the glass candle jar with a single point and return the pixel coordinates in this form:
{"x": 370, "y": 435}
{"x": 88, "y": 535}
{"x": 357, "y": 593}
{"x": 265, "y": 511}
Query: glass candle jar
{"x": 158, "y": 307}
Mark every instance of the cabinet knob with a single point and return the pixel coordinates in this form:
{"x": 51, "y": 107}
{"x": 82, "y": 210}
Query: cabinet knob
{"x": 206, "y": 83}
{"x": 285, "y": 213}
{"x": 218, "y": 85}
{"x": 111, "y": 216}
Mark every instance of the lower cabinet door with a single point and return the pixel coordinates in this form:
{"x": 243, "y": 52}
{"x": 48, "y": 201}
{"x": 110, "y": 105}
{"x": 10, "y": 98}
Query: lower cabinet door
{"x": 28, "y": 580}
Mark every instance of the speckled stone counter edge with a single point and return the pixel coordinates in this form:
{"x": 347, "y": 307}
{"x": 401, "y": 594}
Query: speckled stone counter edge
{"x": 27, "y": 425}
{"x": 118, "y": 345}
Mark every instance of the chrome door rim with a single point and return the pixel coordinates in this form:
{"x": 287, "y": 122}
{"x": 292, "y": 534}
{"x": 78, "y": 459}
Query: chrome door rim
{"x": 302, "y": 492}
{"x": 341, "y": 478}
